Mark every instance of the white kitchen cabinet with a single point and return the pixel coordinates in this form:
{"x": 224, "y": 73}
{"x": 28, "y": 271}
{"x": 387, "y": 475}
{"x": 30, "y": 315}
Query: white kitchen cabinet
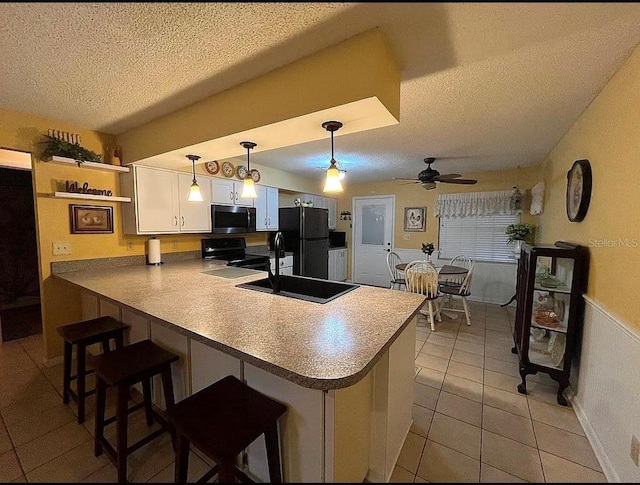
{"x": 266, "y": 208}
{"x": 338, "y": 264}
{"x": 286, "y": 265}
{"x": 227, "y": 192}
{"x": 332, "y": 206}
{"x": 160, "y": 204}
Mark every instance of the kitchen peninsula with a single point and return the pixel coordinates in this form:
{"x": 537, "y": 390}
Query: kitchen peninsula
{"x": 344, "y": 369}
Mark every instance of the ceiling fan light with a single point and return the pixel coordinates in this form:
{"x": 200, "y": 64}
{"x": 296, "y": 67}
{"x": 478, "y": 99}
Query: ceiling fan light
{"x": 428, "y": 185}
{"x": 249, "y": 189}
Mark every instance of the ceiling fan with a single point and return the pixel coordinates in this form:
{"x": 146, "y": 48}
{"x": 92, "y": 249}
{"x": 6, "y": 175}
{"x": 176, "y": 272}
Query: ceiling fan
{"x": 429, "y": 176}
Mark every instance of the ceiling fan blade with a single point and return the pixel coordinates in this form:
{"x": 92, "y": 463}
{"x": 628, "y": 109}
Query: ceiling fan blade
{"x": 459, "y": 181}
{"x": 409, "y": 183}
{"x": 406, "y": 178}
{"x": 447, "y": 176}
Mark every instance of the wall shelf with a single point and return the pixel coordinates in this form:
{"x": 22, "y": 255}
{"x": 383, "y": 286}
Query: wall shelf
{"x": 83, "y": 164}
{"x": 73, "y": 195}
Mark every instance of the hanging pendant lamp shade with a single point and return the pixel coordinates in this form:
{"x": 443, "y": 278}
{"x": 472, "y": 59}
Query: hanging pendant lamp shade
{"x": 332, "y": 183}
{"x": 194, "y": 193}
{"x": 248, "y": 189}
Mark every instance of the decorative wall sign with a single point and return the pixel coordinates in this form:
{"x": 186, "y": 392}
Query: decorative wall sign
{"x": 414, "y": 219}
{"x": 76, "y": 188}
{"x": 91, "y": 219}
{"x": 578, "y": 190}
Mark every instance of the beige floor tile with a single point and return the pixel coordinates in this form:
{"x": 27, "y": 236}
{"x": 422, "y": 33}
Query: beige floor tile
{"x": 543, "y": 393}
{"x": 421, "y": 420}
{"x": 9, "y": 467}
{"x": 557, "y": 469}
{"x": 441, "y": 340}
{"x": 442, "y": 464}
{"x": 418, "y": 479}
{"x": 437, "y": 350}
{"x": 72, "y": 466}
{"x": 20, "y": 479}
{"x": 432, "y": 362}
{"x": 419, "y": 345}
{"x": 145, "y": 462}
{"x": 460, "y": 408}
{"x": 465, "y": 371}
{"x": 470, "y": 338}
{"x": 26, "y": 385}
{"x": 467, "y": 358}
{"x": 456, "y": 434}
{"x": 400, "y": 475}
{"x": 471, "y": 330}
{"x": 566, "y": 445}
{"x": 197, "y": 468}
{"x": 411, "y": 452}
{"x": 507, "y": 368}
{"x": 489, "y": 474}
{"x": 499, "y": 338}
{"x": 51, "y": 445}
{"x": 512, "y": 457}
{"x": 106, "y": 474}
{"x": 555, "y": 415}
{"x": 425, "y": 396}
{"x": 5, "y": 442}
{"x": 471, "y": 347}
{"x": 499, "y": 324}
{"x": 542, "y": 378}
{"x": 421, "y": 335}
{"x": 41, "y": 423}
{"x": 462, "y": 387}
{"x": 507, "y": 401}
{"x": 509, "y": 425}
{"x": 430, "y": 377}
{"x": 501, "y": 354}
{"x": 30, "y": 406}
{"x": 501, "y": 381}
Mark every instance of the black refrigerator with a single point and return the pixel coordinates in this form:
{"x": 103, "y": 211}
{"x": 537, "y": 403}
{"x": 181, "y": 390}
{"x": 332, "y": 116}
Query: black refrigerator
{"x": 306, "y": 235}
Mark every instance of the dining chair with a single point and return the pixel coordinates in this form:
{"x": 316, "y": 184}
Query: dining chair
{"x": 396, "y": 278}
{"x": 422, "y": 277}
{"x": 462, "y": 261}
{"x": 462, "y": 291}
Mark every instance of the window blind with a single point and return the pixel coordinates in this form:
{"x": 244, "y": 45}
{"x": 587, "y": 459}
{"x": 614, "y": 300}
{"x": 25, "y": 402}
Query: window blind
{"x": 479, "y": 237}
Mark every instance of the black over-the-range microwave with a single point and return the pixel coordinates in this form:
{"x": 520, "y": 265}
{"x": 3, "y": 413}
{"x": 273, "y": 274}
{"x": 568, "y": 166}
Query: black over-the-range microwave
{"x": 232, "y": 219}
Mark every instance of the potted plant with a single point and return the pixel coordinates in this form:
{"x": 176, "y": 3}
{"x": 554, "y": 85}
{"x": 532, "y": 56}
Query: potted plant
{"x": 428, "y": 249}
{"x": 516, "y": 233}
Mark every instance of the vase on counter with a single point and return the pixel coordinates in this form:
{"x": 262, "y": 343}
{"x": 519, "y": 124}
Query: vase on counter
{"x": 517, "y": 246}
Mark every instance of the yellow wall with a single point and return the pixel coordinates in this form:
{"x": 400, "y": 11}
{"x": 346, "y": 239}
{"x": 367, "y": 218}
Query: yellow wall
{"x": 608, "y": 135}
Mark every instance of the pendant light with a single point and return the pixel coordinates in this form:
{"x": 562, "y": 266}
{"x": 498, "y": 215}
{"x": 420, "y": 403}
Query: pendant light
{"x": 248, "y": 189}
{"x": 332, "y": 184}
{"x": 194, "y": 193}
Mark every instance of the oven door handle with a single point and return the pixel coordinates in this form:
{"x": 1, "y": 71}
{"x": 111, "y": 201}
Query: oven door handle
{"x": 248, "y": 218}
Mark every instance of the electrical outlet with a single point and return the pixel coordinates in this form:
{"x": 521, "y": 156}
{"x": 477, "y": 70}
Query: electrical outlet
{"x": 174, "y": 245}
{"x": 635, "y": 449}
{"x": 61, "y": 247}
{"x": 407, "y": 237}
{"x": 129, "y": 246}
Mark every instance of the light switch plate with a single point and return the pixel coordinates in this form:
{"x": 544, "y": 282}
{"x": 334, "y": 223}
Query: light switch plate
{"x": 407, "y": 237}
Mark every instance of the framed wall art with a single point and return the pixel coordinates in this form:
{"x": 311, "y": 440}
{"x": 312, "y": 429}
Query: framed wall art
{"x": 415, "y": 219}
{"x": 91, "y": 219}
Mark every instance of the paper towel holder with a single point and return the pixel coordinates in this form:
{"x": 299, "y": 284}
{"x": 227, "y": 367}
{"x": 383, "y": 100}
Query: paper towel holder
{"x": 158, "y": 263}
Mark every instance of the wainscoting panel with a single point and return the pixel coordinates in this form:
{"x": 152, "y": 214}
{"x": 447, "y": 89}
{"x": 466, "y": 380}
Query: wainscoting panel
{"x": 607, "y": 400}
{"x": 491, "y": 283}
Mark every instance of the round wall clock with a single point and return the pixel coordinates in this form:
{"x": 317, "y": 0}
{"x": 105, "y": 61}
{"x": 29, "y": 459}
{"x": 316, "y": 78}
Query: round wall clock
{"x": 578, "y": 190}
{"x": 212, "y": 167}
{"x": 241, "y": 172}
{"x": 227, "y": 169}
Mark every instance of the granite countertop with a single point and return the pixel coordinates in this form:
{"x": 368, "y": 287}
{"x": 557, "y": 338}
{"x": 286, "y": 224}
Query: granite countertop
{"x": 319, "y": 346}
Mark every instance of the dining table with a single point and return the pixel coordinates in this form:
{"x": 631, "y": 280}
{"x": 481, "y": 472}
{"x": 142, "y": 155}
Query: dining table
{"x": 446, "y": 269}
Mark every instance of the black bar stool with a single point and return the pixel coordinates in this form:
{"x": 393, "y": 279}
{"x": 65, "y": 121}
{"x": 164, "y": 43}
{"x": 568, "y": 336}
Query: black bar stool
{"x": 123, "y": 368}
{"x": 83, "y": 334}
{"x": 222, "y": 420}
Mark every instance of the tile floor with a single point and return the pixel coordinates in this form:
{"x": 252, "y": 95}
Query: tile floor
{"x": 470, "y": 423}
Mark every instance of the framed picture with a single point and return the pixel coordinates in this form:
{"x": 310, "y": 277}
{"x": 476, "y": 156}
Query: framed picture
{"x": 415, "y": 219}
{"x": 91, "y": 219}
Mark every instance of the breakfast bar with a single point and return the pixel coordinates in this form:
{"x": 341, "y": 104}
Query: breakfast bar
{"x": 344, "y": 368}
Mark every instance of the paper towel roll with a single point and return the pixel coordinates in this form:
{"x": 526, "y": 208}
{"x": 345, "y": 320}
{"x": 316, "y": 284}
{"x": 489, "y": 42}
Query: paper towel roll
{"x": 153, "y": 251}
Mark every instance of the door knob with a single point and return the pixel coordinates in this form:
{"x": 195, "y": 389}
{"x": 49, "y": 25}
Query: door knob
{"x": 388, "y": 250}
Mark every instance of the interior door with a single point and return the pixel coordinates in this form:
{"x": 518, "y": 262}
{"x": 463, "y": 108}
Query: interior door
{"x": 372, "y": 239}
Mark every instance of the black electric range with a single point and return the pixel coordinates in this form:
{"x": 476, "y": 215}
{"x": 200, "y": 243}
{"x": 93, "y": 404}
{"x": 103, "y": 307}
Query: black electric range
{"x": 233, "y": 251}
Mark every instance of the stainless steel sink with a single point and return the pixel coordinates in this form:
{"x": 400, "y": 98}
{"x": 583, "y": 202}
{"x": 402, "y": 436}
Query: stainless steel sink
{"x": 308, "y": 289}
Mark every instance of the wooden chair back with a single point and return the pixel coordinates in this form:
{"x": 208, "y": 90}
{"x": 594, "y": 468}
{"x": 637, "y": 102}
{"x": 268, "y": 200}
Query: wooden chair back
{"x": 421, "y": 277}
{"x": 392, "y": 260}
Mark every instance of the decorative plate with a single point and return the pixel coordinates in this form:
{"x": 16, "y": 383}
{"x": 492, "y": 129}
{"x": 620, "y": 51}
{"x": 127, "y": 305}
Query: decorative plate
{"x": 227, "y": 169}
{"x": 255, "y": 175}
{"x": 557, "y": 349}
{"x": 212, "y": 167}
{"x": 241, "y": 172}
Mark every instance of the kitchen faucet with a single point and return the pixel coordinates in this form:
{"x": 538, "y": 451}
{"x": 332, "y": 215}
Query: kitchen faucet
{"x": 274, "y": 279}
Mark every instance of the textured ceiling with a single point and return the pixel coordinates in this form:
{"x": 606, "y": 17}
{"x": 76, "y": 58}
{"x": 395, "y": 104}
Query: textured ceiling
{"x": 485, "y": 86}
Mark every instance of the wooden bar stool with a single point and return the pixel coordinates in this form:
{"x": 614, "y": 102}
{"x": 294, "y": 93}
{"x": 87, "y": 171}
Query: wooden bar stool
{"x": 222, "y": 420}
{"x": 83, "y": 334}
{"x": 123, "y": 368}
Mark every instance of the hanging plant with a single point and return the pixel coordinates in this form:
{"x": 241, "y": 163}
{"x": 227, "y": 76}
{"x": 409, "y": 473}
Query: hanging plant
{"x": 518, "y": 232}
{"x": 64, "y": 144}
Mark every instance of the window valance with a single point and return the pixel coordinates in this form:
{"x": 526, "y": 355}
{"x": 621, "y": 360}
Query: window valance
{"x": 475, "y": 204}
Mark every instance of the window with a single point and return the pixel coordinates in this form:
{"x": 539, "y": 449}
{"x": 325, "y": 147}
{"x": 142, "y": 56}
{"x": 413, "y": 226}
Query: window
{"x": 479, "y": 237}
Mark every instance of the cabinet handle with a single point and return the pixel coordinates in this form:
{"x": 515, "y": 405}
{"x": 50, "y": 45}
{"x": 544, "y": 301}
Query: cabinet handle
{"x": 182, "y": 217}
{"x": 269, "y": 222}
{"x": 175, "y": 220}
{"x": 236, "y": 197}
{"x": 231, "y": 196}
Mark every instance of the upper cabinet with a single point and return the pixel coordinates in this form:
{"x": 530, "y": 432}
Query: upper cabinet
{"x": 160, "y": 204}
{"x": 227, "y": 192}
{"x": 332, "y": 206}
{"x": 266, "y": 208}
